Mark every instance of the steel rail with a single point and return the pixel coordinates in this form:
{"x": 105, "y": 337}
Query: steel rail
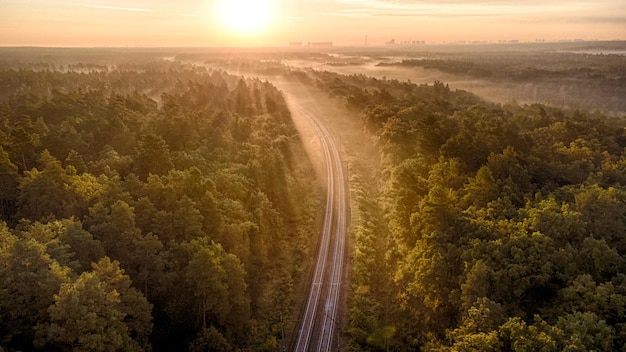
{"x": 330, "y": 241}
{"x": 334, "y": 286}
{"x": 309, "y": 318}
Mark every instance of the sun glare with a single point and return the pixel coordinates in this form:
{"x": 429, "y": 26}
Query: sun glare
{"x": 245, "y": 17}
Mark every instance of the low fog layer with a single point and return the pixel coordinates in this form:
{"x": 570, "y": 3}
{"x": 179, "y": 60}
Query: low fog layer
{"x": 590, "y": 77}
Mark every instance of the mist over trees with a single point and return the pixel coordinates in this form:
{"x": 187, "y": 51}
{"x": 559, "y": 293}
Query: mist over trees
{"x": 543, "y": 74}
{"x": 494, "y": 228}
{"x": 152, "y": 206}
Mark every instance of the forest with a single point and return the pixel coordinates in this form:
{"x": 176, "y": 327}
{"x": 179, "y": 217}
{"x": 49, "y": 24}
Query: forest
{"x": 486, "y": 227}
{"x": 147, "y": 205}
{"x": 564, "y": 79}
{"x": 151, "y": 204}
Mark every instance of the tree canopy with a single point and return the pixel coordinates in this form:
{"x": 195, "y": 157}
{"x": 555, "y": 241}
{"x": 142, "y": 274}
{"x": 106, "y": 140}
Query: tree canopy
{"x": 148, "y": 206}
{"x": 497, "y": 227}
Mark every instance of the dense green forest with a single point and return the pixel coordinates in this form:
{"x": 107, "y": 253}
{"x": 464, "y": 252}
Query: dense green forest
{"x": 154, "y": 205}
{"x": 148, "y": 206}
{"x": 487, "y": 227}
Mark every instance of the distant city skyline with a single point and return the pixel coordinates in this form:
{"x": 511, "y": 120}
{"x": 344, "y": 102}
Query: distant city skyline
{"x": 342, "y": 22}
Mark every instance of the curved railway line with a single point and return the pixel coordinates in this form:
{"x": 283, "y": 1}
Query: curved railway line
{"x": 317, "y": 329}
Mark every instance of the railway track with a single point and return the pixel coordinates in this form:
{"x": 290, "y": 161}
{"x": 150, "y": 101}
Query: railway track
{"x": 317, "y": 329}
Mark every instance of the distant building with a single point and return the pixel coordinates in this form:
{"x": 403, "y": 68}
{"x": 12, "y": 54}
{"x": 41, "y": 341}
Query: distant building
{"x": 295, "y": 44}
{"x": 320, "y": 44}
{"x": 407, "y": 42}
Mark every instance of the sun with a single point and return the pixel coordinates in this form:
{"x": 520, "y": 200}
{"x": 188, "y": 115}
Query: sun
{"x": 245, "y": 17}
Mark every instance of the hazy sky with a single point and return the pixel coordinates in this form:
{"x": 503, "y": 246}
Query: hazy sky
{"x": 198, "y": 23}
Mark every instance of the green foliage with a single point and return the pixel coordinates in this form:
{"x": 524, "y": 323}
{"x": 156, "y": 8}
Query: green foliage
{"x": 218, "y": 282}
{"x": 153, "y": 157}
{"x": 97, "y": 312}
{"x": 505, "y": 224}
{"x": 29, "y": 279}
{"x": 9, "y": 180}
{"x": 193, "y": 182}
{"x": 210, "y": 340}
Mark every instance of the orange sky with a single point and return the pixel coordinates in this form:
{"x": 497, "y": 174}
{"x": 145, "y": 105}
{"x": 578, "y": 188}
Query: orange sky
{"x": 344, "y": 22}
